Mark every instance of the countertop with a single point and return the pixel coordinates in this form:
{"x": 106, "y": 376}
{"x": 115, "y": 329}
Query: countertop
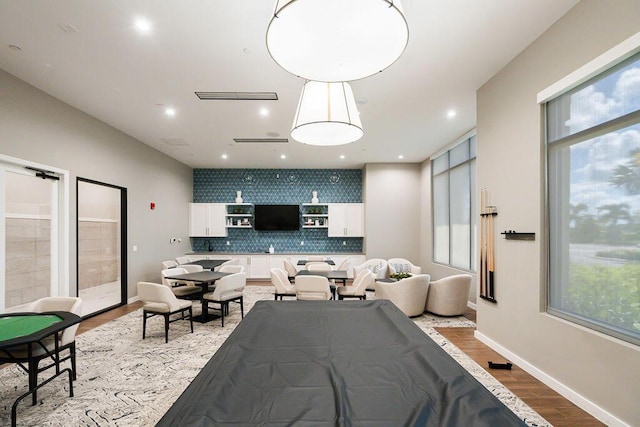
{"x": 275, "y": 253}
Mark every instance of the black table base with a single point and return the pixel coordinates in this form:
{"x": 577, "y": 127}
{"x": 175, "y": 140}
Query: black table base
{"x": 14, "y": 408}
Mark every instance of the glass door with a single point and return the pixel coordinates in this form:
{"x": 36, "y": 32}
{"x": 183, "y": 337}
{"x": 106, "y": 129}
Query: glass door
{"x": 101, "y": 243}
{"x": 29, "y": 255}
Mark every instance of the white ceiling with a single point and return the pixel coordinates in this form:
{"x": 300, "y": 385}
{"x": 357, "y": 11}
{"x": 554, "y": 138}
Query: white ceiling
{"x": 126, "y": 79}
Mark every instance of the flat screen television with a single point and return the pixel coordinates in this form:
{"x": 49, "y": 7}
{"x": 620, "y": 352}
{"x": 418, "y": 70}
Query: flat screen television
{"x": 276, "y": 217}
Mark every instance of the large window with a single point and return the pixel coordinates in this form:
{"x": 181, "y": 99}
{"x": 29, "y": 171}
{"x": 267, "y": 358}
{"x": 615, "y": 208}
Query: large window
{"x": 593, "y": 146}
{"x": 454, "y": 209}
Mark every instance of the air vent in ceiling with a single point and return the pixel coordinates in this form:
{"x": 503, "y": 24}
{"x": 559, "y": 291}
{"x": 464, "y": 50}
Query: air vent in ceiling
{"x": 261, "y": 140}
{"x": 237, "y": 96}
{"x": 175, "y": 142}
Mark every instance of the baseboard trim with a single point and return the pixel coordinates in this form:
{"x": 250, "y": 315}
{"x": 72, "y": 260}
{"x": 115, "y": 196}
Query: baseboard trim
{"x": 472, "y": 305}
{"x": 570, "y": 394}
{"x": 133, "y": 299}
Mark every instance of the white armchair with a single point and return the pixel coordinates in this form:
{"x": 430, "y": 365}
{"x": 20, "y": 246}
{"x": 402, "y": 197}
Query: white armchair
{"x": 409, "y": 295}
{"x": 402, "y": 265}
{"x": 448, "y": 296}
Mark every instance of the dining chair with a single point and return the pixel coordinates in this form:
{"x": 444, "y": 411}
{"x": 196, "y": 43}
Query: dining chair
{"x": 318, "y": 266}
{"x": 312, "y": 288}
{"x": 169, "y": 264}
{"x": 232, "y": 261}
{"x": 192, "y": 268}
{"x": 230, "y": 268}
{"x": 280, "y": 281}
{"x": 180, "y": 288}
{"x": 183, "y": 260}
{"x": 377, "y": 266}
{"x": 315, "y": 258}
{"x": 228, "y": 288}
{"x": 358, "y": 288}
{"x": 290, "y": 269}
{"x": 158, "y": 300}
{"x": 66, "y": 340}
{"x": 68, "y": 337}
{"x": 344, "y": 265}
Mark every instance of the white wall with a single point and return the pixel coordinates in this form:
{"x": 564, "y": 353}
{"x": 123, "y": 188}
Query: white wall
{"x": 37, "y": 127}
{"x": 599, "y": 373}
{"x": 391, "y": 193}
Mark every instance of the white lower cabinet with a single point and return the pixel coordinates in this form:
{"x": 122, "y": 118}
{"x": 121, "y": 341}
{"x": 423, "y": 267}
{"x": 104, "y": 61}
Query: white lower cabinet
{"x": 277, "y": 261}
{"x": 258, "y": 267}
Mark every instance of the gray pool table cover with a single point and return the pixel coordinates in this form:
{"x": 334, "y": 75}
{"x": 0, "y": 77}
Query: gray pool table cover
{"x": 334, "y": 363}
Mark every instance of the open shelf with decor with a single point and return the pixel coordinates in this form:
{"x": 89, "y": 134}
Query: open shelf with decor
{"x": 239, "y": 215}
{"x": 315, "y": 215}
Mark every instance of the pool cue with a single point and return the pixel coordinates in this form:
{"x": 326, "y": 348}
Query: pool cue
{"x": 491, "y": 255}
{"x": 483, "y": 243}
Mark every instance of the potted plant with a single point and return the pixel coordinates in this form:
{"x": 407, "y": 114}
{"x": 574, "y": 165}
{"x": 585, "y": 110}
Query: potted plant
{"x": 400, "y": 276}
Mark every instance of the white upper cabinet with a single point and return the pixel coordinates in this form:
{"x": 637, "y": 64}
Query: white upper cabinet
{"x": 346, "y": 220}
{"x": 207, "y": 220}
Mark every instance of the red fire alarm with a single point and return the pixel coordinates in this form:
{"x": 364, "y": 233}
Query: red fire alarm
{"x": 152, "y": 205}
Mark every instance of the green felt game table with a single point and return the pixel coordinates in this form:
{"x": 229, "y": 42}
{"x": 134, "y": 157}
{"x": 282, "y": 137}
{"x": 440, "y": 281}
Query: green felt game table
{"x": 24, "y": 325}
{"x": 22, "y": 340}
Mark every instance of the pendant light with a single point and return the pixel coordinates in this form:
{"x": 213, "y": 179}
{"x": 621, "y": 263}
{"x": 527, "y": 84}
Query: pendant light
{"x": 336, "y": 40}
{"x": 327, "y": 115}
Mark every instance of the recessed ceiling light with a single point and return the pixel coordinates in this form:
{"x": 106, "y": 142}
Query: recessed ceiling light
{"x": 170, "y": 111}
{"x": 264, "y": 112}
{"x": 451, "y": 114}
{"x": 283, "y": 156}
{"x": 143, "y": 25}
{"x": 224, "y": 156}
{"x": 401, "y": 157}
{"x": 342, "y": 156}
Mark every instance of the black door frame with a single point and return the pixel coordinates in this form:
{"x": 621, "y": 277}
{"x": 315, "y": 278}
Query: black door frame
{"x": 123, "y": 244}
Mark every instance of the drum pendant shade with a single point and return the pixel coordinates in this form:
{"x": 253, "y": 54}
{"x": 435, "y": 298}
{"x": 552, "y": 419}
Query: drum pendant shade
{"x": 327, "y": 115}
{"x": 336, "y": 40}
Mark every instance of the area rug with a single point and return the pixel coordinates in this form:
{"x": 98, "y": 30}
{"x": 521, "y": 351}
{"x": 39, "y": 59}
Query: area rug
{"x": 126, "y": 381}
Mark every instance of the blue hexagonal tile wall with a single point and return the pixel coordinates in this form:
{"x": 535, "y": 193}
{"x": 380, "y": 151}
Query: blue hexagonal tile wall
{"x": 278, "y": 186}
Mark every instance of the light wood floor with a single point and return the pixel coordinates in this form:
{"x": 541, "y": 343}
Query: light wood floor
{"x": 557, "y": 410}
